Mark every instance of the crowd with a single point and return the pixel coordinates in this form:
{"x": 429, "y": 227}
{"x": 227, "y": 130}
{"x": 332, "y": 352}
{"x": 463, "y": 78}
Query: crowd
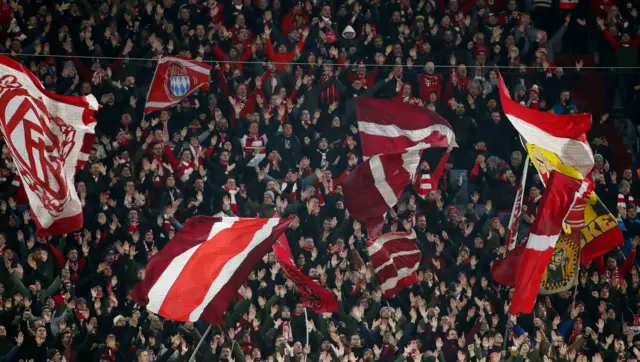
{"x": 276, "y": 132}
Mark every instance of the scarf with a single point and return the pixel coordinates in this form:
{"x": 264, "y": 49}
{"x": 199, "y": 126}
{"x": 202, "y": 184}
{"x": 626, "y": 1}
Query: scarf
{"x": 423, "y": 184}
{"x": 288, "y": 184}
{"x": 254, "y": 140}
{"x": 623, "y": 200}
{"x": 133, "y": 227}
{"x": 323, "y": 162}
{"x": 232, "y": 196}
{"x": 185, "y": 170}
{"x": 287, "y": 333}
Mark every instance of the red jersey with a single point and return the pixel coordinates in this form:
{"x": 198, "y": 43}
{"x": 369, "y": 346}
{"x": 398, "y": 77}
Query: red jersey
{"x": 430, "y": 83}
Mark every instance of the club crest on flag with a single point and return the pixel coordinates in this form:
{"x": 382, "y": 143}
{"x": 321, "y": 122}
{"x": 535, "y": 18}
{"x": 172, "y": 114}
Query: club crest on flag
{"x": 562, "y": 271}
{"x": 177, "y": 82}
{"x": 27, "y": 125}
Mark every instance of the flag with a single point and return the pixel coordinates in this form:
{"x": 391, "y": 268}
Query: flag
{"x": 382, "y": 178}
{"x": 49, "y": 137}
{"x": 503, "y": 270}
{"x": 514, "y": 220}
{"x": 395, "y": 257}
{"x": 390, "y": 127}
{"x": 557, "y": 201}
{"x": 392, "y": 136}
{"x": 200, "y": 270}
{"x": 176, "y": 78}
{"x": 559, "y": 142}
{"x": 313, "y": 294}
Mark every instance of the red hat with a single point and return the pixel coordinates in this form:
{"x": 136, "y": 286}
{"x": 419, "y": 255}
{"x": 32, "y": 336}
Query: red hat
{"x": 534, "y": 89}
{"x": 481, "y": 50}
{"x": 543, "y": 51}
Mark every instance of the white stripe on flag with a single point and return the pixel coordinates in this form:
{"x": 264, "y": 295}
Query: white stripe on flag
{"x": 410, "y": 161}
{"x": 402, "y": 273}
{"x": 380, "y": 181}
{"x": 516, "y": 211}
{"x": 186, "y": 64}
{"x": 160, "y": 104}
{"x": 574, "y": 153}
{"x": 161, "y": 288}
{"x": 391, "y": 130}
{"x": 380, "y": 241}
{"x": 542, "y": 242}
{"x": 232, "y": 265}
{"x": 396, "y": 255}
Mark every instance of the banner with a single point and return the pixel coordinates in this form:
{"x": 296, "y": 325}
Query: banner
{"x": 174, "y": 80}
{"x": 49, "y": 137}
{"x": 556, "y": 202}
{"x": 563, "y": 270}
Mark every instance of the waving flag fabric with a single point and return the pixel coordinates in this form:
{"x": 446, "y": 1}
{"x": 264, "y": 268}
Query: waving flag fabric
{"x": 201, "y": 269}
{"x": 49, "y": 137}
{"x": 176, "y": 78}
{"x": 382, "y": 178}
{"x": 395, "y": 257}
{"x": 389, "y": 127}
{"x": 514, "y": 220}
{"x": 558, "y": 199}
{"x": 559, "y": 142}
{"x": 393, "y": 135}
{"x": 313, "y": 294}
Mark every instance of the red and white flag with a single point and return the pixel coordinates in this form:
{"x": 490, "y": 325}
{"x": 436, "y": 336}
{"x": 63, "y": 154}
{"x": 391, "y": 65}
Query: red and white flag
{"x": 49, "y": 137}
{"x": 390, "y": 127}
{"x": 559, "y": 142}
{"x": 558, "y": 199}
{"x": 202, "y": 268}
{"x": 382, "y": 178}
{"x": 514, "y": 220}
{"x": 175, "y": 79}
{"x": 395, "y": 258}
{"x": 393, "y": 135}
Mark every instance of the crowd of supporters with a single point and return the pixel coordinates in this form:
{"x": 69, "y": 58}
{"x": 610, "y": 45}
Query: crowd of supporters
{"x": 277, "y": 132}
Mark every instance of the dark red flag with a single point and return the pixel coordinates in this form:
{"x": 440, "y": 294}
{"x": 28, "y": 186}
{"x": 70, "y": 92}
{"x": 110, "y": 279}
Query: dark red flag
{"x": 313, "y": 294}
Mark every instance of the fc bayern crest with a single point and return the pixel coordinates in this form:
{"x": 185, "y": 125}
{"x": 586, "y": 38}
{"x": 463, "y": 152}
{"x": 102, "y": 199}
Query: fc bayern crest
{"x": 177, "y": 81}
{"x": 28, "y": 126}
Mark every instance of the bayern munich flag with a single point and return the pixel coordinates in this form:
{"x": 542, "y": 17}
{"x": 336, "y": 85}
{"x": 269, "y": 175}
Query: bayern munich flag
{"x": 176, "y": 78}
{"x": 49, "y": 137}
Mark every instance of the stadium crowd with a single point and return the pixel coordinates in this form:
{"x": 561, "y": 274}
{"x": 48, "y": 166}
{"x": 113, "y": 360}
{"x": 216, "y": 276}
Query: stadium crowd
{"x": 276, "y": 132}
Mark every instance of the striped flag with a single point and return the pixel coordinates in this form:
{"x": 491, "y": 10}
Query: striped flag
{"x": 382, "y": 178}
{"x": 559, "y": 142}
{"x": 395, "y": 257}
{"x": 558, "y": 199}
{"x": 393, "y": 136}
{"x": 175, "y": 79}
{"x": 200, "y": 271}
{"x": 514, "y": 220}
{"x": 390, "y": 127}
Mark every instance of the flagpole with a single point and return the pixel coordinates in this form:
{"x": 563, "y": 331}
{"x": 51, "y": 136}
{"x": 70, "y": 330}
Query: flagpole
{"x": 506, "y": 331}
{"x": 204, "y": 336}
{"x": 305, "y": 325}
